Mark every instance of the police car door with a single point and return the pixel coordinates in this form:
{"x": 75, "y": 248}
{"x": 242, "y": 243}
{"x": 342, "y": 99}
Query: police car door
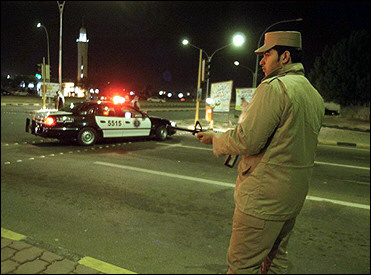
{"x": 109, "y": 121}
{"x": 136, "y": 124}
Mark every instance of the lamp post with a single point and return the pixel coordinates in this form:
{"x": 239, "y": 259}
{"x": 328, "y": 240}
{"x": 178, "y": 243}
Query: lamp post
{"x": 238, "y": 40}
{"x": 236, "y": 63}
{"x": 47, "y": 40}
{"x": 261, "y": 36}
{"x": 60, "y": 7}
{"x": 186, "y": 42}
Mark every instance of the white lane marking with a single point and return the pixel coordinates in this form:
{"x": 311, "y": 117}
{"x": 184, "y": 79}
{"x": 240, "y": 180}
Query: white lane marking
{"x": 357, "y": 182}
{"x": 214, "y": 182}
{"x": 220, "y": 183}
{"x": 185, "y": 146}
{"x": 350, "y": 204}
{"x": 342, "y": 165}
{"x": 316, "y": 162}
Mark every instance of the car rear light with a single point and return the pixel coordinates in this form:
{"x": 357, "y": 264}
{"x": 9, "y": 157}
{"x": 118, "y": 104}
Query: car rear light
{"x": 50, "y": 121}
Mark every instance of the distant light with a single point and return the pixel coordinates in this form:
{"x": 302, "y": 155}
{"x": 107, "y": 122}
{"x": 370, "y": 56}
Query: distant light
{"x": 97, "y": 91}
{"x": 210, "y": 101}
{"x": 236, "y": 63}
{"x": 31, "y": 85}
{"x": 169, "y": 94}
{"x": 180, "y": 95}
{"x": 38, "y": 25}
{"x": 38, "y": 76}
{"x": 185, "y": 42}
{"x": 82, "y": 67}
{"x": 127, "y": 115}
{"x": 132, "y": 93}
{"x": 91, "y": 91}
{"x": 22, "y": 85}
{"x": 188, "y": 94}
{"x": 8, "y": 76}
{"x": 82, "y": 75}
{"x": 238, "y": 39}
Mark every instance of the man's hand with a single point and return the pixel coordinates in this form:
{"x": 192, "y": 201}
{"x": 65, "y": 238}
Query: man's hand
{"x": 205, "y": 137}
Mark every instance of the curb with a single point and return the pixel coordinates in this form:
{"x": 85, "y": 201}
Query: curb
{"x": 346, "y": 128}
{"x": 86, "y": 261}
{"x": 20, "y": 104}
{"x": 344, "y": 144}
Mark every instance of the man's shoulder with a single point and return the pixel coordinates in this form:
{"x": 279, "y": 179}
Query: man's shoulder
{"x": 270, "y": 80}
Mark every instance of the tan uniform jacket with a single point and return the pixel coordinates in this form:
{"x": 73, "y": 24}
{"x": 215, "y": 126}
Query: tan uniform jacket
{"x": 277, "y": 140}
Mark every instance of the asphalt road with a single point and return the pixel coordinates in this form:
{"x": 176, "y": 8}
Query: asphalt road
{"x": 166, "y": 207}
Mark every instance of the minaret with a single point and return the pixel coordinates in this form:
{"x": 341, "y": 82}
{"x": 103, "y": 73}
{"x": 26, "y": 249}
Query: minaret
{"x": 82, "y": 58}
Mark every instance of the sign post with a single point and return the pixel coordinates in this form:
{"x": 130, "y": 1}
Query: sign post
{"x": 43, "y": 74}
{"x": 198, "y": 97}
{"x": 220, "y": 94}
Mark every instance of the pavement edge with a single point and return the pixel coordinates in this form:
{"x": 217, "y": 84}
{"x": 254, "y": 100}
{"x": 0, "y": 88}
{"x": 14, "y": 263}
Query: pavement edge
{"x": 86, "y": 261}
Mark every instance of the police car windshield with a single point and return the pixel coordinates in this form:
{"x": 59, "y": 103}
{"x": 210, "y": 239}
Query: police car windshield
{"x": 73, "y": 107}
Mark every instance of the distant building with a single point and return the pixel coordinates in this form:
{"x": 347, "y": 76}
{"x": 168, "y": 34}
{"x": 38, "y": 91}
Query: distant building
{"x": 82, "y": 59}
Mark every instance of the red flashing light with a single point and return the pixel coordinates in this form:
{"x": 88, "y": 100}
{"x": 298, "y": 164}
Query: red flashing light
{"x": 50, "y": 121}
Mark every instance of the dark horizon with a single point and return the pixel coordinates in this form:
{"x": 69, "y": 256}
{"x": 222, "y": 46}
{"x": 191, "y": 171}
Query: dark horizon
{"x": 134, "y": 44}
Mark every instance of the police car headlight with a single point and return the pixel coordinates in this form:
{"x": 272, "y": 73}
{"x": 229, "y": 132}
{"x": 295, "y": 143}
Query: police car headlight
{"x": 65, "y": 119}
{"x": 173, "y": 124}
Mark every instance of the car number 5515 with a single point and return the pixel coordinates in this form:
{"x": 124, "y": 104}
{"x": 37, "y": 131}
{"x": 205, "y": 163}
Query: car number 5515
{"x": 114, "y": 123}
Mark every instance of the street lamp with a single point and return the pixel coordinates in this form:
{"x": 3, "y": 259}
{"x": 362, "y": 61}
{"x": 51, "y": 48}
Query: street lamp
{"x": 261, "y": 36}
{"x": 238, "y": 40}
{"x": 236, "y": 63}
{"x": 60, "y": 6}
{"x": 47, "y": 40}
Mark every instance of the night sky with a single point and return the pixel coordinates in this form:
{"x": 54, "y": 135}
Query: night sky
{"x": 133, "y": 44}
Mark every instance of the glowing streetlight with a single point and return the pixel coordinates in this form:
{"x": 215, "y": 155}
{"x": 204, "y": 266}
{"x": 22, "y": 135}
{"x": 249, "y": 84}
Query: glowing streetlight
{"x": 238, "y": 39}
{"x": 39, "y": 25}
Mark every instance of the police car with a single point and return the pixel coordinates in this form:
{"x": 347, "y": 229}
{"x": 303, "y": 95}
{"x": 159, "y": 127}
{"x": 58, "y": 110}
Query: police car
{"x": 88, "y": 122}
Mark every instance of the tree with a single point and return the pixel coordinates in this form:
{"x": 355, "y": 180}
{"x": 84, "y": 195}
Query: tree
{"x": 342, "y": 73}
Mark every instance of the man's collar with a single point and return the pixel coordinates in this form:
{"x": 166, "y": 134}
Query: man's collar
{"x": 293, "y": 67}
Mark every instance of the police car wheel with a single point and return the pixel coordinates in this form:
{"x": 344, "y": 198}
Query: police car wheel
{"x": 161, "y": 133}
{"x": 87, "y": 136}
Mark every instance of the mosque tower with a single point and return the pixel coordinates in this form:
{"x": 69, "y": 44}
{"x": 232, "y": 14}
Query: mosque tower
{"x": 82, "y": 58}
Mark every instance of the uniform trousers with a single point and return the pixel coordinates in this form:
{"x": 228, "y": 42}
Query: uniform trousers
{"x": 258, "y": 246}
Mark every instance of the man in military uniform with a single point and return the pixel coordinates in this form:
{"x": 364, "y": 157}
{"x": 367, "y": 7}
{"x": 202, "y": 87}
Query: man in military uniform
{"x": 277, "y": 140}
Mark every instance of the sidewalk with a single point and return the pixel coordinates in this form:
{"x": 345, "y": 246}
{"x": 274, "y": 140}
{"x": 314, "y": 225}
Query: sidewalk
{"x": 19, "y": 255}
